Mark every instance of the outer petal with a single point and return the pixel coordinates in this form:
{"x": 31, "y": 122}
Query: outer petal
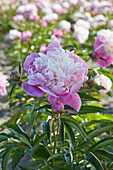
{"x": 72, "y": 100}
{"x": 103, "y": 63}
{"x": 29, "y": 59}
{"x": 48, "y": 91}
{"x": 76, "y": 87}
{"x": 52, "y": 99}
{"x": 52, "y": 46}
{"x": 32, "y": 90}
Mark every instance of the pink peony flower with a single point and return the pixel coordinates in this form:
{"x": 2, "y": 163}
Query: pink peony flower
{"x": 43, "y": 47}
{"x": 33, "y": 16}
{"x": 103, "y": 81}
{"x": 26, "y": 35}
{"x": 56, "y": 72}
{"x": 58, "y": 33}
{"x": 3, "y": 84}
{"x": 43, "y": 23}
{"x": 103, "y": 48}
{"x": 65, "y": 26}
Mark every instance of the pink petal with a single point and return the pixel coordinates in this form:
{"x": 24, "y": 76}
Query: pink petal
{"x": 52, "y": 46}
{"x": 76, "y": 87}
{"x": 103, "y": 63}
{"x": 72, "y": 100}
{"x": 29, "y": 59}
{"x": 32, "y": 90}
{"x": 52, "y": 99}
{"x": 48, "y": 91}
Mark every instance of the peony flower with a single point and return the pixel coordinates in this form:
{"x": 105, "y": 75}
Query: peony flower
{"x": 110, "y": 24}
{"x": 43, "y": 23}
{"x": 58, "y": 33}
{"x": 50, "y": 17}
{"x": 56, "y": 72}
{"x": 81, "y": 34}
{"x": 3, "y": 84}
{"x": 26, "y": 35}
{"x": 83, "y": 23}
{"x": 65, "y": 26}
{"x": 103, "y": 81}
{"x": 103, "y": 48}
{"x": 33, "y": 16}
{"x": 27, "y": 9}
{"x": 18, "y": 18}
{"x": 13, "y": 34}
{"x": 57, "y": 8}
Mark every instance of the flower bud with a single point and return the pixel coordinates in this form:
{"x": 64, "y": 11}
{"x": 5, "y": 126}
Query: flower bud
{"x": 91, "y": 83}
{"x": 58, "y": 106}
{"x": 15, "y": 76}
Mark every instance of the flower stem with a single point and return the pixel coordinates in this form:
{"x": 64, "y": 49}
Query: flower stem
{"x": 55, "y": 139}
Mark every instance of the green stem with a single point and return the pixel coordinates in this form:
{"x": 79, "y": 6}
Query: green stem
{"x": 55, "y": 139}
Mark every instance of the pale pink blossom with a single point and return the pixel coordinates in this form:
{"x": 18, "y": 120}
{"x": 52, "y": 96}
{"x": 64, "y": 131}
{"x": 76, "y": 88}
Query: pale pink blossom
{"x": 103, "y": 81}
{"x": 27, "y": 9}
{"x": 18, "y": 18}
{"x": 51, "y": 17}
{"x": 83, "y": 23}
{"x": 34, "y": 16}
{"x": 58, "y": 33}
{"x": 13, "y": 34}
{"x": 81, "y": 34}
{"x": 26, "y": 35}
{"x": 57, "y": 8}
{"x": 103, "y": 48}
{"x": 110, "y": 24}
{"x": 65, "y": 26}
{"x": 56, "y": 72}
{"x": 3, "y": 84}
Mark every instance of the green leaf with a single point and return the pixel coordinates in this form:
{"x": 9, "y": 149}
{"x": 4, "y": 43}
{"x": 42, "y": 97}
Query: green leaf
{"x": 70, "y": 134}
{"x": 75, "y": 124}
{"x": 4, "y": 136}
{"x": 55, "y": 157}
{"x": 33, "y": 115}
{"x": 104, "y": 154}
{"x": 98, "y": 132}
{"x": 19, "y": 153}
{"x": 23, "y": 168}
{"x": 19, "y": 68}
{"x": 35, "y": 163}
{"x": 37, "y": 139}
{"x": 86, "y": 97}
{"x": 6, "y": 157}
{"x": 102, "y": 143}
{"x": 90, "y": 109}
{"x": 49, "y": 129}
{"x": 62, "y": 133}
{"x": 94, "y": 161}
{"x": 12, "y": 90}
{"x": 39, "y": 152}
{"x": 16, "y": 129}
